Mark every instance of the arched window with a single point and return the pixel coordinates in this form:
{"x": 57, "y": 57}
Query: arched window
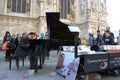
{"x": 65, "y": 8}
{"x": 19, "y": 6}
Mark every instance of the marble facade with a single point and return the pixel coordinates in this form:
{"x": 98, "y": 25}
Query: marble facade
{"x": 89, "y": 15}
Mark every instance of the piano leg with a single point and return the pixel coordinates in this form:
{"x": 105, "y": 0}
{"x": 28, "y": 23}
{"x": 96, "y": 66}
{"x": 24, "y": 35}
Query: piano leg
{"x": 40, "y": 56}
{"x": 36, "y": 67}
{"x": 36, "y": 58}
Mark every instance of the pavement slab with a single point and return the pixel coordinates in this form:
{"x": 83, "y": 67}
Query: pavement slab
{"x": 46, "y": 73}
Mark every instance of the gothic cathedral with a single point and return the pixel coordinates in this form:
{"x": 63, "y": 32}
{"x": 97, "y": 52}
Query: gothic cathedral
{"x": 18, "y": 16}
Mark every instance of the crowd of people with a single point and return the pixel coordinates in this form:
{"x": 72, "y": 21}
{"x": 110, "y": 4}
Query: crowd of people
{"x": 101, "y": 39}
{"x": 19, "y": 44}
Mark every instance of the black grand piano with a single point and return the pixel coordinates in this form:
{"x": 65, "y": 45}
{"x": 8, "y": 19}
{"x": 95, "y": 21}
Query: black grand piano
{"x": 60, "y": 31}
{"x": 57, "y": 31}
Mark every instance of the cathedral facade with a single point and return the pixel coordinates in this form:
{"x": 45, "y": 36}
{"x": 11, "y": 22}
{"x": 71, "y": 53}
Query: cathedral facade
{"x": 18, "y": 16}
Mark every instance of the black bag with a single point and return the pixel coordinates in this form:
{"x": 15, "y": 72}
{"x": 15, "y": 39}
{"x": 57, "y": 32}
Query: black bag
{"x": 24, "y": 43}
{"x": 94, "y": 48}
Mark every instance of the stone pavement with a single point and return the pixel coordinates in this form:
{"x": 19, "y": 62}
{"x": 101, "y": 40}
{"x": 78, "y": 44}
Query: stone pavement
{"x": 46, "y": 73}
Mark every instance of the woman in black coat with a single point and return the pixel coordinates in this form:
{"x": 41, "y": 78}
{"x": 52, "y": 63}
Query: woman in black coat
{"x": 17, "y": 40}
{"x": 7, "y": 37}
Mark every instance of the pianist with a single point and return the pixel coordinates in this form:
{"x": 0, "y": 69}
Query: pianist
{"x": 24, "y": 48}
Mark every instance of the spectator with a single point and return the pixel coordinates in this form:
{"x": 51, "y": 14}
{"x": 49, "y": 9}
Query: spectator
{"x": 12, "y": 44}
{"x": 42, "y": 35}
{"x": 84, "y": 41}
{"x": 99, "y": 40}
{"x": 17, "y": 40}
{"x": 108, "y": 40}
{"x": 7, "y": 37}
{"x": 111, "y": 34}
{"x": 118, "y": 40}
{"x": 46, "y": 47}
{"x": 91, "y": 40}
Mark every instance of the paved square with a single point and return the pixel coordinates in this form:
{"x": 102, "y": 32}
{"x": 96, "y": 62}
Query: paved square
{"x": 46, "y": 73}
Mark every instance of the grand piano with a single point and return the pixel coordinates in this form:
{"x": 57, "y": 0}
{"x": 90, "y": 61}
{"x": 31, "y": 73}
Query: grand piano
{"x": 60, "y": 31}
{"x": 57, "y": 31}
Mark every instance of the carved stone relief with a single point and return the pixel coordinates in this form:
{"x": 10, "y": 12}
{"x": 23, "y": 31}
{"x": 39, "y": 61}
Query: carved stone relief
{"x": 28, "y": 5}
{"x": 82, "y": 7}
{"x": 48, "y": 2}
{"x": 72, "y": 1}
{"x": 13, "y": 24}
{"x": 18, "y": 20}
{"x": 9, "y": 4}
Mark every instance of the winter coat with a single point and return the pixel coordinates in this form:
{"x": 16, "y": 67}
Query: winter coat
{"x": 109, "y": 41}
{"x": 23, "y": 47}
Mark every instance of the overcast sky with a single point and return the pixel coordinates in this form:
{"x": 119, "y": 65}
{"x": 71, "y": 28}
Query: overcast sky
{"x": 113, "y": 14}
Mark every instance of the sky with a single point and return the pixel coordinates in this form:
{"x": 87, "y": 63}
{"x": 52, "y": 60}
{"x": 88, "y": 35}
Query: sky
{"x": 113, "y": 14}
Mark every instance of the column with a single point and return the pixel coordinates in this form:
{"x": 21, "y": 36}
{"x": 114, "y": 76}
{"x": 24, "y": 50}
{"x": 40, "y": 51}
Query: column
{"x": 77, "y": 11}
{"x": 31, "y": 8}
{"x": 28, "y": 7}
{"x": 5, "y": 7}
{"x": 42, "y": 8}
{"x": 2, "y": 6}
{"x": 57, "y": 5}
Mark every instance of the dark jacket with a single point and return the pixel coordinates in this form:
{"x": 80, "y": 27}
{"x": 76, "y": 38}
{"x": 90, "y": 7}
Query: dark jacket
{"x": 99, "y": 40}
{"x": 7, "y": 38}
{"x": 12, "y": 43}
{"x": 109, "y": 40}
{"x": 17, "y": 42}
{"x": 111, "y": 34}
{"x": 23, "y": 47}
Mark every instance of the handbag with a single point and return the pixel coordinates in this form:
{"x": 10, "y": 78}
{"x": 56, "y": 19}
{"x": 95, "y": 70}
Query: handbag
{"x": 4, "y": 46}
{"x": 25, "y": 44}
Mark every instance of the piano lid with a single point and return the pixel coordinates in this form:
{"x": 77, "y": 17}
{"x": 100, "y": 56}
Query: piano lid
{"x": 57, "y": 29}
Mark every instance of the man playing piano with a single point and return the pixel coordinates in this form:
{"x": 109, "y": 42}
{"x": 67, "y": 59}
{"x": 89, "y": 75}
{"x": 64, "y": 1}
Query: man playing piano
{"x": 24, "y": 48}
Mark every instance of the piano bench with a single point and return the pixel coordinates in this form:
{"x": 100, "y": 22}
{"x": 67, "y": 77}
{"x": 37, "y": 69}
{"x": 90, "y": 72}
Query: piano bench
{"x": 16, "y": 58}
